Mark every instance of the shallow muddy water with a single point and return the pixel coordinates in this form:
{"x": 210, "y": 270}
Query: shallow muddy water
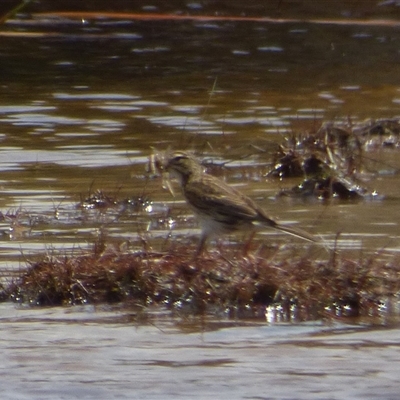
{"x": 83, "y": 102}
{"x": 97, "y": 353}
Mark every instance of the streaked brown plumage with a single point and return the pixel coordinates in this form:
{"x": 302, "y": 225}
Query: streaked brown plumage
{"x": 219, "y": 207}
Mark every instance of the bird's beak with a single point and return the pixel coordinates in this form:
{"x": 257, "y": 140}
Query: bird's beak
{"x": 157, "y": 165}
{"x": 166, "y": 183}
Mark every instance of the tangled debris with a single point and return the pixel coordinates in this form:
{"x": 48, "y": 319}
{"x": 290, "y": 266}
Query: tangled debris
{"x": 172, "y": 279}
{"x": 100, "y": 200}
{"x": 331, "y": 160}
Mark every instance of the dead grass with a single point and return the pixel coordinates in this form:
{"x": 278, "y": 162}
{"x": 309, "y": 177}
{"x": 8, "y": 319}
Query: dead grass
{"x": 314, "y": 288}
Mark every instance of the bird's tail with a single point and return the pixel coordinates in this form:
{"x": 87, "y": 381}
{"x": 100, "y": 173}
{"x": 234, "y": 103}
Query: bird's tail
{"x": 297, "y": 232}
{"x": 267, "y": 221}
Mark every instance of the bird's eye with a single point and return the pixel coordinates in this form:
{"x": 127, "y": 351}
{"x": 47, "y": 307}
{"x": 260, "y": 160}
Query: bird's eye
{"x": 179, "y": 158}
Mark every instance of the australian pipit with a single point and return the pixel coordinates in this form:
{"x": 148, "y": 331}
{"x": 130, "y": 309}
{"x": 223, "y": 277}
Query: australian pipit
{"x": 219, "y": 207}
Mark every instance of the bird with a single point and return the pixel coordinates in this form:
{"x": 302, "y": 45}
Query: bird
{"x": 219, "y": 207}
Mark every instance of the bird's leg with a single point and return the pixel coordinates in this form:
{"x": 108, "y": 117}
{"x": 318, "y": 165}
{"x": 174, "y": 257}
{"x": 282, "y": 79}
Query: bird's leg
{"x": 201, "y": 245}
{"x": 246, "y": 248}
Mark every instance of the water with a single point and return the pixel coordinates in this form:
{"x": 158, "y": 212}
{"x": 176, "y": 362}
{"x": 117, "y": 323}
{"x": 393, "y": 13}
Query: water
{"x": 83, "y": 103}
{"x": 98, "y": 353}
{"x": 99, "y": 94}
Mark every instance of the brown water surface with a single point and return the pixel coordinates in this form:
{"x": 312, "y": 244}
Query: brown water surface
{"x": 85, "y": 101}
{"x": 99, "y": 354}
{"x": 82, "y": 104}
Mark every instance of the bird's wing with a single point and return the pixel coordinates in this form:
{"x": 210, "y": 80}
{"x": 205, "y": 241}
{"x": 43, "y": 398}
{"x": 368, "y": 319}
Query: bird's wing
{"x": 224, "y": 203}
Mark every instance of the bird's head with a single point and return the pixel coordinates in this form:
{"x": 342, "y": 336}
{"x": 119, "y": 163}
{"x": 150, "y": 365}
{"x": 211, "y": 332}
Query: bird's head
{"x": 182, "y": 166}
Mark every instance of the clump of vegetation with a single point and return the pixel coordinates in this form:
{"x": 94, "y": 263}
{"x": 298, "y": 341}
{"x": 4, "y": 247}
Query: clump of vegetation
{"x": 221, "y": 279}
{"x": 331, "y": 159}
{"x": 99, "y": 200}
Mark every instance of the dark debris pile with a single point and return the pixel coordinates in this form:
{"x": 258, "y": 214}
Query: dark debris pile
{"x": 331, "y": 160}
{"x": 225, "y": 281}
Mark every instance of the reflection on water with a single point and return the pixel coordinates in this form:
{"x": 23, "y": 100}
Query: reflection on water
{"x": 93, "y": 353}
